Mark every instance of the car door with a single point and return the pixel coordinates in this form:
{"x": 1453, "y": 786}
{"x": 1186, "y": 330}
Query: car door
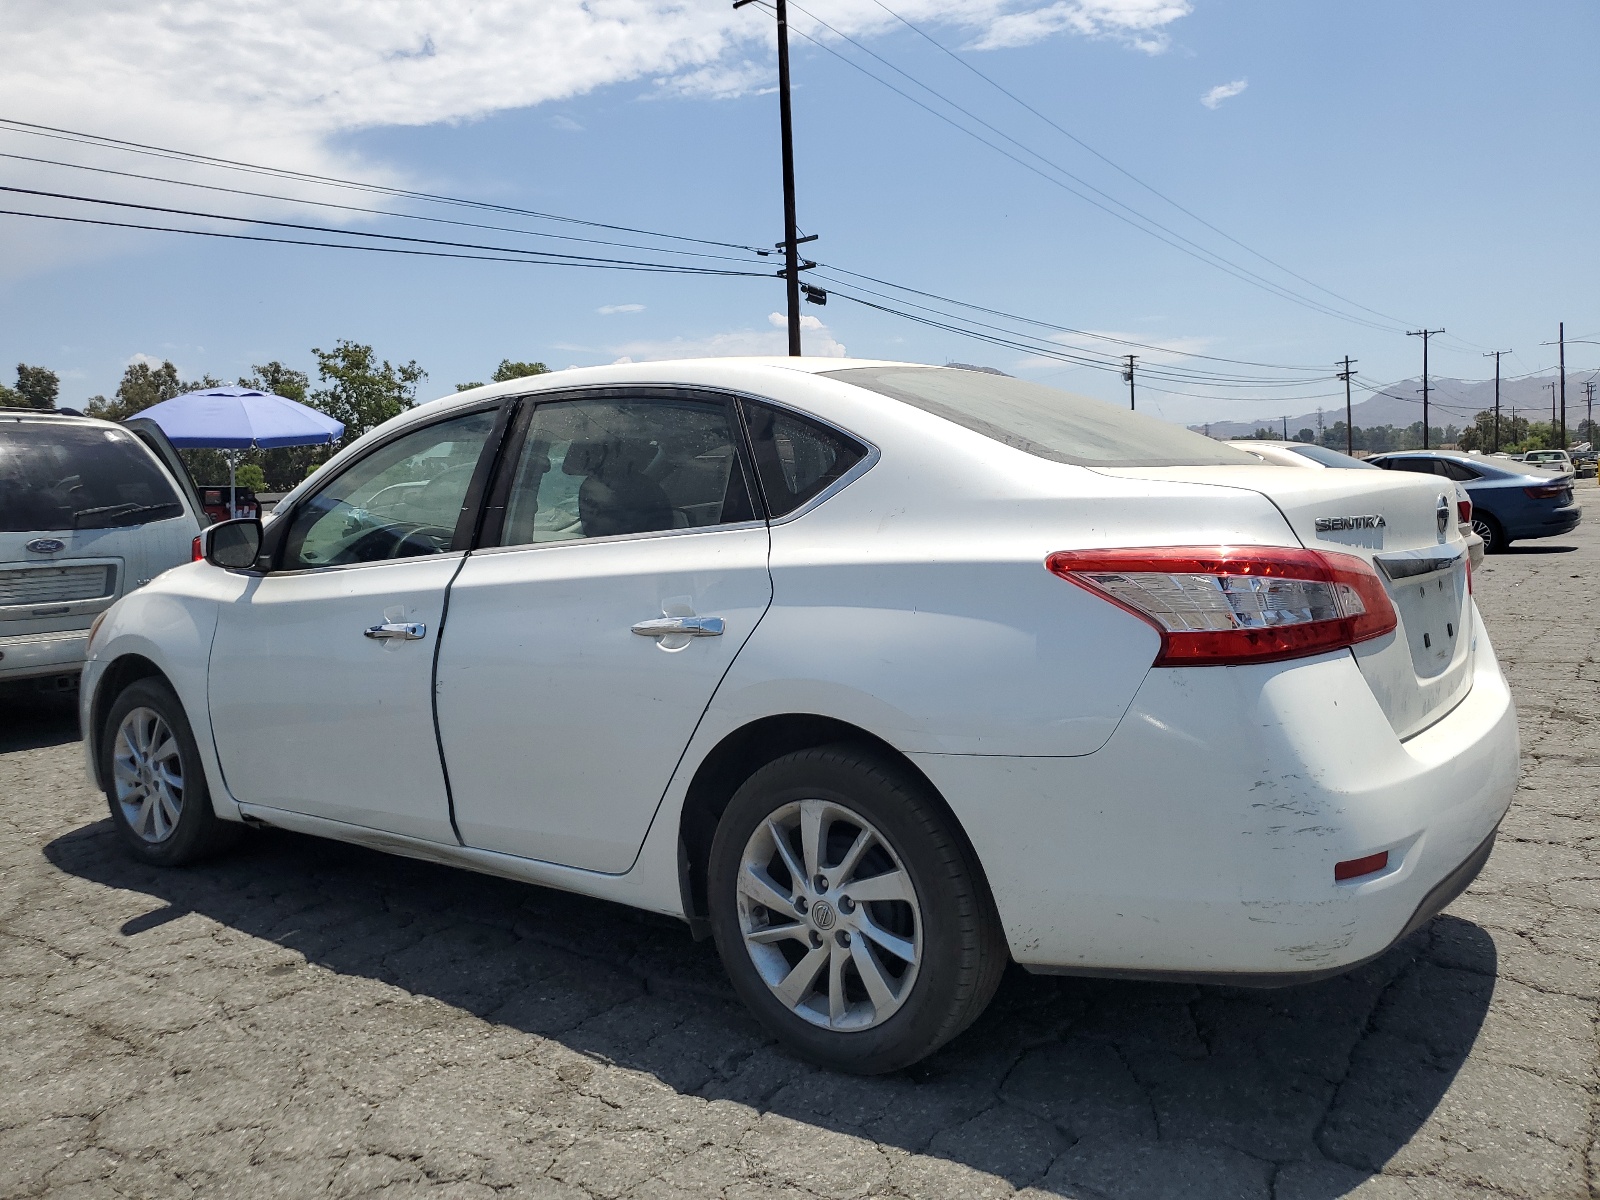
{"x": 626, "y": 565}
{"x": 321, "y": 670}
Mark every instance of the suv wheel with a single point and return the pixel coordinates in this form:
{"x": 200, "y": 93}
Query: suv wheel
{"x": 851, "y": 916}
{"x": 154, "y": 782}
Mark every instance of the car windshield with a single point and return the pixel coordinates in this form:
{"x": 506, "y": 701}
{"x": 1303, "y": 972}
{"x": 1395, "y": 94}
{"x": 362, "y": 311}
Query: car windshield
{"x": 1330, "y": 458}
{"x": 55, "y": 476}
{"x": 1043, "y": 421}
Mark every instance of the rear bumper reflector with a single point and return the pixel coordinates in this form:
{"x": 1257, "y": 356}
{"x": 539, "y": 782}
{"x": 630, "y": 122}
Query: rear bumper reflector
{"x": 1354, "y": 868}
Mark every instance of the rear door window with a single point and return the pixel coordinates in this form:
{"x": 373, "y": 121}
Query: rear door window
{"x": 55, "y": 475}
{"x": 797, "y": 459}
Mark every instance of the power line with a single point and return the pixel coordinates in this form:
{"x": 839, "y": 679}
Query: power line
{"x": 357, "y": 208}
{"x": 1123, "y": 170}
{"x": 598, "y": 264}
{"x": 93, "y": 139}
{"x": 1156, "y": 230}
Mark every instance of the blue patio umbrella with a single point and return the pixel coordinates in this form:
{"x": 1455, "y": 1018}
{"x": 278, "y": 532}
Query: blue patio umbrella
{"x": 241, "y": 418}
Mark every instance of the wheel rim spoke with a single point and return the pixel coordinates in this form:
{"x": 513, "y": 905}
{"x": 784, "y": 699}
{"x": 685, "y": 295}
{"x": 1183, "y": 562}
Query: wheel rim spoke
{"x": 852, "y": 856}
{"x": 838, "y": 1004}
{"x": 811, "y": 822}
{"x": 755, "y": 884}
{"x": 892, "y": 885}
{"x": 797, "y": 983}
{"x": 780, "y": 839}
{"x": 878, "y": 990}
{"x": 795, "y": 931}
{"x": 897, "y": 946}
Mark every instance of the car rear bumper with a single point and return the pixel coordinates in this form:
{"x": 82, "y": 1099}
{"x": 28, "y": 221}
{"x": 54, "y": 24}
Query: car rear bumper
{"x": 1548, "y": 524}
{"x": 30, "y": 656}
{"x": 1200, "y": 842}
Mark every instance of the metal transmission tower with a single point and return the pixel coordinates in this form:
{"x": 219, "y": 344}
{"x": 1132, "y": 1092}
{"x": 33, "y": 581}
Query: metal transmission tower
{"x": 1127, "y": 373}
{"x": 792, "y": 266}
{"x": 1424, "y": 334}
{"x": 1349, "y": 425}
{"x": 1496, "y": 354}
{"x": 1552, "y": 388}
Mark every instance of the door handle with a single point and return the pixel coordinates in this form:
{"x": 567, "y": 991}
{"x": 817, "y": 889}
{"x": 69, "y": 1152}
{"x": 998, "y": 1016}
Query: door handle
{"x": 400, "y": 631}
{"x": 692, "y": 626}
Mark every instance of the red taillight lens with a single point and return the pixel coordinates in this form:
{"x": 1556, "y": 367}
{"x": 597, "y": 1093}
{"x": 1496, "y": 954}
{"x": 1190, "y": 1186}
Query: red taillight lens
{"x": 1464, "y": 512}
{"x": 1221, "y": 605}
{"x": 1549, "y": 491}
{"x": 195, "y": 553}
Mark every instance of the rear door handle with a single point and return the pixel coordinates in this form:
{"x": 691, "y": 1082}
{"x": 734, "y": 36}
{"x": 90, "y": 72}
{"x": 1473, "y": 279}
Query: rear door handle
{"x": 692, "y": 626}
{"x": 399, "y": 631}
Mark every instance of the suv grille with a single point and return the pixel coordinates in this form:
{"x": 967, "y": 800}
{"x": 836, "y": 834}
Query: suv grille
{"x": 56, "y": 585}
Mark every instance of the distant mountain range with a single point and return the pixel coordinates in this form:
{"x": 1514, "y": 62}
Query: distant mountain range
{"x": 1450, "y": 402}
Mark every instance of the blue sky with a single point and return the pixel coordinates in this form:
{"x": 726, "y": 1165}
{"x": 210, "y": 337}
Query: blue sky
{"x": 1432, "y": 162}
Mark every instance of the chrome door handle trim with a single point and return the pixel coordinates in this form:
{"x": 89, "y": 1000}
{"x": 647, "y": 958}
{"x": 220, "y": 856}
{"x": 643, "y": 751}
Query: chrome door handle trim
{"x": 693, "y": 626}
{"x": 402, "y": 631}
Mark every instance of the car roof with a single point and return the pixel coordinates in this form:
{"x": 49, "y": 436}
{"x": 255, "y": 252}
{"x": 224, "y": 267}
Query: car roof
{"x": 51, "y": 415}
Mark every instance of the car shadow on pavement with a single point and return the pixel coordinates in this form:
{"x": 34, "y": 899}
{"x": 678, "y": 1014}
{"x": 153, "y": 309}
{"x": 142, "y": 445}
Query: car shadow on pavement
{"x": 33, "y": 722}
{"x": 1068, "y": 1085}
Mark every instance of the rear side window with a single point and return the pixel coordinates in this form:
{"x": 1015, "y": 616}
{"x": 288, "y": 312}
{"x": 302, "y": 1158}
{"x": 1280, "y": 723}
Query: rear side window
{"x": 797, "y": 459}
{"x": 1421, "y": 466}
{"x": 1043, "y": 421}
{"x": 56, "y": 476}
{"x": 1460, "y": 472}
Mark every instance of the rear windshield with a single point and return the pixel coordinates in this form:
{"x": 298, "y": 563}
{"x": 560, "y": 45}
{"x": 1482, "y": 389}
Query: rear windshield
{"x": 56, "y": 476}
{"x": 1331, "y": 458}
{"x": 1043, "y": 421}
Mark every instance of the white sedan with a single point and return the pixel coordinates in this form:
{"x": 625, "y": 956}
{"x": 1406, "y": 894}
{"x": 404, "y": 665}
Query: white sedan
{"x": 881, "y": 675}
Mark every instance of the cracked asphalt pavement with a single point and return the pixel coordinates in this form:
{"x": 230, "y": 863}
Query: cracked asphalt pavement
{"x": 302, "y": 1017}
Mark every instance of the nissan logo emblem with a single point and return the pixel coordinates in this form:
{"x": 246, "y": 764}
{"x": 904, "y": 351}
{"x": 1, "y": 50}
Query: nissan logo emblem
{"x": 1442, "y": 516}
{"x": 46, "y": 546}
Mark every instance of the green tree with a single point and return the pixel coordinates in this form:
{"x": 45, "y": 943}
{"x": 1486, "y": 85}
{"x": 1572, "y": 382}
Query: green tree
{"x": 251, "y": 476}
{"x": 361, "y": 391}
{"x": 287, "y": 465}
{"x": 278, "y": 379}
{"x": 37, "y": 387}
{"x": 1306, "y": 435}
{"x": 507, "y": 370}
{"x": 142, "y": 385}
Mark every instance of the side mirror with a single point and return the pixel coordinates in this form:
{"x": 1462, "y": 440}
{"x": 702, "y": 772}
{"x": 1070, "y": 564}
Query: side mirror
{"x": 233, "y": 545}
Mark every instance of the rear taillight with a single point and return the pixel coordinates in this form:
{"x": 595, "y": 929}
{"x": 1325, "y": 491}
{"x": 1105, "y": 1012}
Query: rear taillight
{"x": 195, "y": 553}
{"x": 1221, "y": 605}
{"x": 1464, "y": 512}
{"x": 1548, "y": 491}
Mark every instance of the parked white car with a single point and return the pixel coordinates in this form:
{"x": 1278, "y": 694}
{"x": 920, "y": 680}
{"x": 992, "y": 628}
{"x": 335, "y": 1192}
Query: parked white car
{"x": 880, "y": 674}
{"x": 89, "y": 511}
{"x": 1300, "y": 454}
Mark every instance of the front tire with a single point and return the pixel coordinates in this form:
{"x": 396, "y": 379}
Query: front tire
{"x": 850, "y": 914}
{"x": 154, "y": 781}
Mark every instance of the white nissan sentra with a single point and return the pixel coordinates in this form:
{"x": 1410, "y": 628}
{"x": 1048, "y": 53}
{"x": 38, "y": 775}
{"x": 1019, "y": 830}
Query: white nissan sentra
{"x": 881, "y": 675}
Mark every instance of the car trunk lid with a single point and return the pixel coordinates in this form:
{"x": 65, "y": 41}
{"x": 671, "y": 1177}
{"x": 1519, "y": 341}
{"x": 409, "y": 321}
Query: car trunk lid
{"x": 1405, "y": 526}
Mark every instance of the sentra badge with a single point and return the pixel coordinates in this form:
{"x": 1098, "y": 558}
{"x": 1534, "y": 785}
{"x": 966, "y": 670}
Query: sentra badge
{"x": 1332, "y": 524}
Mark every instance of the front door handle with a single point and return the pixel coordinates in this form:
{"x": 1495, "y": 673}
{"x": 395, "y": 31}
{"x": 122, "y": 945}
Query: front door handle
{"x": 690, "y": 626}
{"x": 399, "y": 631}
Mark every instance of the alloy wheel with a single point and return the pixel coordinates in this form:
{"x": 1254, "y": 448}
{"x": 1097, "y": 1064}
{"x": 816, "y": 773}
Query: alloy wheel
{"x": 1483, "y": 529}
{"x": 147, "y": 772}
{"x": 829, "y": 915}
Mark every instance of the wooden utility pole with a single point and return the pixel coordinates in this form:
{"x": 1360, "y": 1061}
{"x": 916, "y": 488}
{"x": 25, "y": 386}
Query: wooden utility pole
{"x": 1424, "y": 334}
{"x": 1349, "y": 426}
{"x": 1497, "y": 354}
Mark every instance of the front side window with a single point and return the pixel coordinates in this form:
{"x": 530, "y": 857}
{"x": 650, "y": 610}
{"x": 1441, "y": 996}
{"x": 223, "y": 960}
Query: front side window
{"x": 399, "y": 501}
{"x": 602, "y": 468}
{"x": 57, "y": 476}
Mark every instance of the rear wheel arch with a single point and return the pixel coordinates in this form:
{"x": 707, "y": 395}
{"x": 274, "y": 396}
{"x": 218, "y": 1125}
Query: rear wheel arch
{"x": 741, "y": 754}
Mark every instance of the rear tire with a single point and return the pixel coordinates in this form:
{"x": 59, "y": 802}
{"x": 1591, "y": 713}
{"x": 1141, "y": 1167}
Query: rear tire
{"x": 1490, "y": 530}
{"x": 860, "y": 985}
{"x": 155, "y": 784}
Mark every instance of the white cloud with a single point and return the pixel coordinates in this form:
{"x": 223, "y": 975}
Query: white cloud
{"x": 565, "y": 124}
{"x": 816, "y": 339}
{"x": 273, "y": 80}
{"x": 606, "y": 310}
{"x": 1223, "y": 91}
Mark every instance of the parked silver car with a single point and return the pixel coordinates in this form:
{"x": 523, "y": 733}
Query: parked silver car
{"x": 89, "y": 511}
